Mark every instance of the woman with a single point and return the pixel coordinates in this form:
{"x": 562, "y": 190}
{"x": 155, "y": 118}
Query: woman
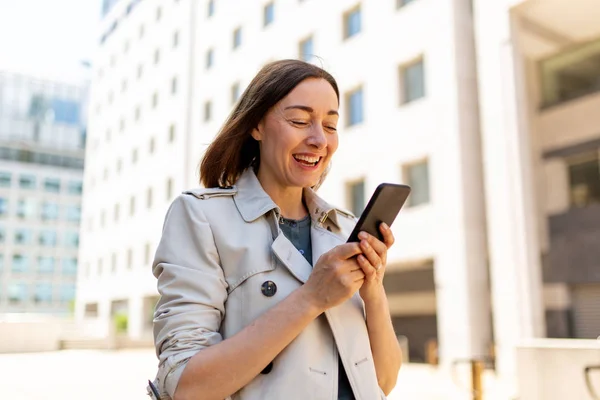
{"x": 258, "y": 287}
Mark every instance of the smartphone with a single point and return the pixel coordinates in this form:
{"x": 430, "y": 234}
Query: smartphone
{"x": 384, "y": 206}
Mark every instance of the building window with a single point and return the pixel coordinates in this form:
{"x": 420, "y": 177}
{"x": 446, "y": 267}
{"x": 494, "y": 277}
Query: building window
{"x": 113, "y": 263}
{"x": 134, "y": 156}
{"x": 52, "y": 185}
{"x": 27, "y": 182}
{"x": 17, "y": 292}
{"x": 2, "y": 235}
{"x": 140, "y": 71}
{"x": 116, "y": 212}
{"x": 235, "y": 92}
{"x": 126, "y": 47}
{"x": 158, "y": 13}
{"x": 20, "y": 263}
{"x": 417, "y": 177}
{"x": 26, "y": 209}
{"x": 72, "y": 239}
{"x": 151, "y": 146}
{"x": 155, "y": 100}
{"x": 402, "y": 3}
{"x": 132, "y": 206}
{"x": 149, "y": 198}
{"x": 352, "y": 22}
{"x": 306, "y": 49}
{"x": 356, "y": 197}
{"x": 45, "y": 265}
{"x": 23, "y": 236}
{"x": 47, "y": 238}
{"x": 207, "y": 111}
{"x": 147, "y": 253}
{"x": 49, "y": 211}
{"x": 172, "y": 133}
{"x": 91, "y": 310}
{"x": 67, "y": 292}
{"x": 102, "y": 218}
{"x": 211, "y": 8}
{"x": 138, "y": 113}
{"x": 268, "y": 14}
{"x": 141, "y": 31}
{"x": 122, "y": 125}
{"x": 124, "y": 86}
{"x": 237, "y": 37}
{"x": 43, "y": 293}
{"x": 73, "y": 213}
{"x": 69, "y": 266}
{"x": 169, "y": 189}
{"x": 129, "y": 258}
{"x": 75, "y": 187}
{"x": 584, "y": 179}
{"x": 412, "y": 78}
{"x": 209, "y": 58}
{"x": 119, "y": 165}
{"x": 5, "y": 179}
{"x": 174, "y": 85}
{"x": 570, "y": 74}
{"x": 354, "y": 101}
{"x": 156, "y": 56}
{"x": 175, "y": 39}
{"x": 3, "y": 206}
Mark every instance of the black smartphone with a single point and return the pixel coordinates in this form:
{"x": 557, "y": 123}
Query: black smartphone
{"x": 384, "y": 206}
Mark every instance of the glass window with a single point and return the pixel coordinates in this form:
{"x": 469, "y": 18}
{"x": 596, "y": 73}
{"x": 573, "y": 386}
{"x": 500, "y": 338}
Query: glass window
{"x": 151, "y": 145}
{"x": 23, "y": 236}
{"x": 43, "y": 293}
{"x": 149, "y": 197}
{"x": 129, "y": 258}
{"x": 67, "y": 292}
{"x": 72, "y": 239}
{"x": 2, "y": 234}
{"x": 1, "y": 265}
{"x": 235, "y": 92}
{"x": 73, "y": 213}
{"x": 46, "y": 264}
{"x": 20, "y": 263}
{"x": 207, "y": 111}
{"x": 237, "y": 38}
{"x": 209, "y": 58}
{"x": 75, "y": 187}
{"x": 134, "y": 156}
{"x": 171, "y": 133}
{"x": 26, "y": 208}
{"x": 138, "y": 113}
{"x": 132, "y": 206}
{"x": 52, "y": 185}
{"x": 156, "y": 56}
{"x": 175, "y": 39}
{"x": 356, "y": 197}
{"x": 140, "y": 71}
{"x": 154, "y": 99}
{"x": 69, "y": 266}
{"x": 116, "y": 212}
{"x": 211, "y": 8}
{"x": 402, "y": 3}
{"x": 268, "y": 14}
{"x": 352, "y": 23}
{"x": 571, "y": 74}
{"x": 65, "y": 111}
{"x": 3, "y": 206}
{"x": 169, "y": 189}
{"x": 584, "y": 180}
{"x": 413, "y": 81}
{"x": 5, "y": 179}
{"x": 48, "y": 238}
{"x": 158, "y": 13}
{"x": 27, "y": 182}
{"x": 17, "y": 292}
{"x": 174, "y": 85}
{"x": 417, "y": 177}
{"x": 355, "y": 107}
{"x": 147, "y": 253}
{"x": 306, "y": 49}
{"x": 49, "y": 211}
{"x": 114, "y": 262}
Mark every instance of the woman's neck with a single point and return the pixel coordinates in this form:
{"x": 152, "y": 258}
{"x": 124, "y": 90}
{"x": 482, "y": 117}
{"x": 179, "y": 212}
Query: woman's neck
{"x": 289, "y": 200}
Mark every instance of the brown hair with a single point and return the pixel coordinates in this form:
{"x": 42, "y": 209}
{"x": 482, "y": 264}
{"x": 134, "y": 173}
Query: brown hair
{"x": 234, "y": 149}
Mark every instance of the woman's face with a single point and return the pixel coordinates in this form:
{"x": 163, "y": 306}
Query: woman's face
{"x": 298, "y": 136}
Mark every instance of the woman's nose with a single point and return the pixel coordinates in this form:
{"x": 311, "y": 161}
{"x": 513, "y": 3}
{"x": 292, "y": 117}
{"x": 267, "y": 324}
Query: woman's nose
{"x": 317, "y": 137}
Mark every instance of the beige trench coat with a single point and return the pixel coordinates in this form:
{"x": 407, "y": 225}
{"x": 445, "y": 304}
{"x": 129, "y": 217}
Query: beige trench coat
{"x": 218, "y": 247}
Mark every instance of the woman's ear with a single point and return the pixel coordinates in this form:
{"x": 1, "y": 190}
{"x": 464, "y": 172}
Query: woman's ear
{"x": 257, "y": 132}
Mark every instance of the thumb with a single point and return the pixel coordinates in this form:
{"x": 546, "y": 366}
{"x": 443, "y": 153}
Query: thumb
{"x": 347, "y": 250}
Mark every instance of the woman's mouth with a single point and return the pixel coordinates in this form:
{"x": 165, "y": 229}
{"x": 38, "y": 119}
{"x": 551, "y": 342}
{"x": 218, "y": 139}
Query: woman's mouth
{"x": 307, "y": 161}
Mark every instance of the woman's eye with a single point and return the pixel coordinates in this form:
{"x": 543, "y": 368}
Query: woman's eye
{"x": 331, "y": 128}
{"x": 299, "y": 123}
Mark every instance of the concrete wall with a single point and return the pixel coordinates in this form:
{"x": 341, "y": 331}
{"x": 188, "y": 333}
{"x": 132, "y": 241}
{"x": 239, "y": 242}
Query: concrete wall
{"x": 554, "y": 369}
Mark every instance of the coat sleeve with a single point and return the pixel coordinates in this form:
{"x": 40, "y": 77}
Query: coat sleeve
{"x": 192, "y": 291}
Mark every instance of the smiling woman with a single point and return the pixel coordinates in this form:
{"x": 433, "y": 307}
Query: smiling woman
{"x": 261, "y": 296}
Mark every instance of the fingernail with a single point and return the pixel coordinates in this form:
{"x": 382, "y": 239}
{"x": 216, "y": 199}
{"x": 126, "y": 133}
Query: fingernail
{"x": 363, "y": 235}
{"x": 384, "y": 226}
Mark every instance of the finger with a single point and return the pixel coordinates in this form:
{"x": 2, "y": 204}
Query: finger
{"x": 388, "y": 236}
{"x": 347, "y": 250}
{"x": 378, "y": 246}
{"x": 371, "y": 255}
{"x": 357, "y": 275}
{"x": 367, "y": 268}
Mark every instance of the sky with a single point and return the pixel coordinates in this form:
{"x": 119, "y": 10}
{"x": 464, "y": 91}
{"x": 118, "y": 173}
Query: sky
{"x": 48, "y": 38}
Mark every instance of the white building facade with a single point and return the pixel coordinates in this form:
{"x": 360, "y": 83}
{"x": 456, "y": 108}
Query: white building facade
{"x": 436, "y": 94}
{"x": 42, "y": 140}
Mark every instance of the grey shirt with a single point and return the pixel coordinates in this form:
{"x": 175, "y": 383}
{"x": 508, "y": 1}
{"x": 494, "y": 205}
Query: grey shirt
{"x": 298, "y": 232}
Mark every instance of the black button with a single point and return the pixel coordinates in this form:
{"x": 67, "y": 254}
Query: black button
{"x": 267, "y": 369}
{"x": 269, "y": 288}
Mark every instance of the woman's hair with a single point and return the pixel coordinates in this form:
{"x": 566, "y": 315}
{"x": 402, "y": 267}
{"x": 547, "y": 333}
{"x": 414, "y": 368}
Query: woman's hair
{"x": 234, "y": 149}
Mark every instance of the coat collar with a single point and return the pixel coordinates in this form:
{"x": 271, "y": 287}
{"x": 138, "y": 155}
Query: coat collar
{"x": 253, "y": 202}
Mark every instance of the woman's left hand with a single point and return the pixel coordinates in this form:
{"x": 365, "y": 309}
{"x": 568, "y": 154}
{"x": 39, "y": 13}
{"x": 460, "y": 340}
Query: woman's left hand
{"x": 373, "y": 262}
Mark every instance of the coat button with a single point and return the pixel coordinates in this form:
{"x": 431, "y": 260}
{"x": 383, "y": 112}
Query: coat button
{"x": 269, "y": 288}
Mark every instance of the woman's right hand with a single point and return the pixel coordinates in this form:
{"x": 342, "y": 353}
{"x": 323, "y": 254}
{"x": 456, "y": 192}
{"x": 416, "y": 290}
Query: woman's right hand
{"x": 335, "y": 277}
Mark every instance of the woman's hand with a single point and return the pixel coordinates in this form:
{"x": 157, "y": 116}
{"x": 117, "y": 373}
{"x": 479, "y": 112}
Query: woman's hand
{"x": 335, "y": 277}
{"x": 373, "y": 261}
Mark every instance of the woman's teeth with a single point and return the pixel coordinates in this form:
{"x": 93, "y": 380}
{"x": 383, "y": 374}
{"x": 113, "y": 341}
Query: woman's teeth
{"x": 312, "y": 161}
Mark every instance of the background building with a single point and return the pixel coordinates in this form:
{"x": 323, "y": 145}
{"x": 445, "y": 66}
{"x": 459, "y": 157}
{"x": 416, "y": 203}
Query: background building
{"x": 489, "y": 117}
{"x": 42, "y": 140}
